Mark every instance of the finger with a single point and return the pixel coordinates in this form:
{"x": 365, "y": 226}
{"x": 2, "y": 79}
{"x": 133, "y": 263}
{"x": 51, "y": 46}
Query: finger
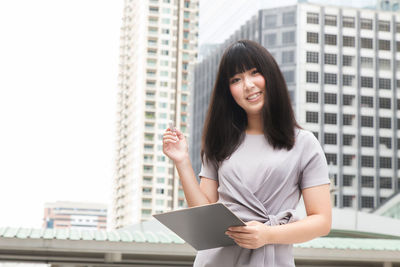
{"x": 238, "y": 229}
{"x": 169, "y": 135}
{"x": 170, "y": 140}
{"x": 241, "y": 236}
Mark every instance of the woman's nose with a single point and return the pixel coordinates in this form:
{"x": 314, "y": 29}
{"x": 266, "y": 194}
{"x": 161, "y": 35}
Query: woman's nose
{"x": 248, "y": 83}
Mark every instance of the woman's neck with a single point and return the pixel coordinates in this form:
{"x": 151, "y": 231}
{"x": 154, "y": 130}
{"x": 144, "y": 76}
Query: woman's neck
{"x": 254, "y": 125}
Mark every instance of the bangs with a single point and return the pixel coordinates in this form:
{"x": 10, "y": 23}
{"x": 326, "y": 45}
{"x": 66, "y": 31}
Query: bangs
{"x": 239, "y": 58}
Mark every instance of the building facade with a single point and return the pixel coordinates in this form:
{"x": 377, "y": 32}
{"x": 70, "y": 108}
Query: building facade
{"x": 76, "y": 215}
{"x": 158, "y": 48}
{"x": 342, "y": 69}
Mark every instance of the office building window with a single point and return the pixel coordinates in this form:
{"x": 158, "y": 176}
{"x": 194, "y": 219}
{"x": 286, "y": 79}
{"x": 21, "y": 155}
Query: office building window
{"x": 287, "y": 57}
{"x": 384, "y": 83}
{"x": 347, "y": 201}
{"x": 384, "y": 26}
{"x": 367, "y": 141}
{"x": 348, "y": 180}
{"x": 385, "y": 123}
{"x": 330, "y": 39}
{"x": 385, "y": 103}
{"x": 349, "y": 41}
{"x": 330, "y": 118}
{"x": 385, "y": 162}
{"x": 367, "y": 82}
{"x": 348, "y": 80}
{"x": 330, "y": 78}
{"x": 312, "y": 18}
{"x": 312, "y": 57}
{"x": 367, "y": 62}
{"x": 270, "y": 39}
{"x": 384, "y": 64}
{"x": 386, "y": 141}
{"x": 312, "y": 117}
{"x": 348, "y": 60}
{"x": 348, "y": 22}
{"x": 270, "y": 21}
{"x": 315, "y": 134}
{"x": 288, "y": 37}
{"x": 330, "y": 138}
{"x": 367, "y": 121}
{"x": 367, "y": 181}
{"x": 330, "y": 59}
{"x": 312, "y": 77}
{"x": 367, "y": 202}
{"x": 331, "y": 158}
{"x": 348, "y": 100}
{"x": 312, "y": 97}
{"x": 398, "y": 81}
{"x": 289, "y": 76}
{"x": 348, "y": 159}
{"x": 366, "y": 43}
{"x": 398, "y": 48}
{"x": 348, "y": 119}
{"x": 385, "y": 182}
{"x": 288, "y": 18}
{"x": 367, "y": 101}
{"x": 312, "y": 37}
{"x": 366, "y": 24}
{"x": 367, "y": 161}
{"x": 384, "y": 45}
{"x": 330, "y": 98}
{"x": 330, "y": 20}
{"x": 398, "y": 31}
{"x": 348, "y": 139}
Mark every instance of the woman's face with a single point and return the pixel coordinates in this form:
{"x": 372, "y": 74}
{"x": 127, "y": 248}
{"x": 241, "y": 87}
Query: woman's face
{"x": 248, "y": 89}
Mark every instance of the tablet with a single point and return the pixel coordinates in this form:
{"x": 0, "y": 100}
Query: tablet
{"x": 202, "y": 227}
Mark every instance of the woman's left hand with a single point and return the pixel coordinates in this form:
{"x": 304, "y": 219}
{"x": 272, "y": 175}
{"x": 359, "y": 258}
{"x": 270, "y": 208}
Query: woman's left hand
{"x": 253, "y": 235}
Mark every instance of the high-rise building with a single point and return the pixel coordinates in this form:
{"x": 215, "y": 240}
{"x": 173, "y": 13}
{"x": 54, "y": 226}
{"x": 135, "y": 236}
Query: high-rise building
{"x": 342, "y": 68}
{"x": 158, "y": 48}
{"x": 63, "y": 214}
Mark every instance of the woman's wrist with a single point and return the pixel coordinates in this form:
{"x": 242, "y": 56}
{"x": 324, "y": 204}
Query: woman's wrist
{"x": 181, "y": 162}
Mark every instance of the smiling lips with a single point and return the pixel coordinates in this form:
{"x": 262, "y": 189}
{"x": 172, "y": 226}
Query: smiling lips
{"x": 253, "y": 97}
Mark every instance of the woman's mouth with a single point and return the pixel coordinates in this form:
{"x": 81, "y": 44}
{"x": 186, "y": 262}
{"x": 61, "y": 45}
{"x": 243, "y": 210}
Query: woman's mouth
{"x": 254, "y": 97}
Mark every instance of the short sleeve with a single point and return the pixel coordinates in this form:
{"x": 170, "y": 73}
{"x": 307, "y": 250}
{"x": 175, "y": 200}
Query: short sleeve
{"x": 208, "y": 170}
{"x": 314, "y": 168}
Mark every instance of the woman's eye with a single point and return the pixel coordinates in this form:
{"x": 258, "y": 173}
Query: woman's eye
{"x": 254, "y": 72}
{"x": 235, "y": 80}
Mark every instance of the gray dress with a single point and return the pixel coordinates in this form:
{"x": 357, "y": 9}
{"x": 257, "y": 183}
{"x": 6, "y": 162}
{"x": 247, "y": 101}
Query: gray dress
{"x": 262, "y": 184}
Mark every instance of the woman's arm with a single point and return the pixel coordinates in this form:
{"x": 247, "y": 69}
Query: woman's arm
{"x": 176, "y": 148}
{"x": 317, "y": 223}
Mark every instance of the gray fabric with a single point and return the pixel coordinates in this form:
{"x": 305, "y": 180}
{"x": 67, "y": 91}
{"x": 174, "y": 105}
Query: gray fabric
{"x": 262, "y": 184}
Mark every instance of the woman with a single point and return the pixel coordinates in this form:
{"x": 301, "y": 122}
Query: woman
{"x": 257, "y": 161}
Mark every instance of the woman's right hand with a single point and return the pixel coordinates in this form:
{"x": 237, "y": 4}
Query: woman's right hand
{"x": 175, "y": 145}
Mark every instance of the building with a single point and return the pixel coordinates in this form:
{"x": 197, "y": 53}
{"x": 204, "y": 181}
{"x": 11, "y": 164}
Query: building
{"x": 76, "y": 215}
{"x": 158, "y": 48}
{"x": 342, "y": 68}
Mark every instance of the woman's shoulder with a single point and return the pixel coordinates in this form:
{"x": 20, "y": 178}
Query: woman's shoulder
{"x": 305, "y": 137}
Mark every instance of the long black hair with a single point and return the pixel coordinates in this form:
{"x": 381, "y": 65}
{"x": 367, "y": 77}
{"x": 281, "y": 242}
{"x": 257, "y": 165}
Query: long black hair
{"x": 226, "y": 122}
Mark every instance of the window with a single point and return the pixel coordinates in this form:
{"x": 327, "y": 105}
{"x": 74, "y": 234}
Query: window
{"x": 287, "y": 57}
{"x": 367, "y": 82}
{"x": 312, "y": 97}
{"x": 312, "y": 18}
{"x": 385, "y": 182}
{"x": 288, "y": 37}
{"x": 330, "y": 20}
{"x": 366, "y": 43}
{"x": 270, "y": 39}
{"x": 386, "y": 141}
{"x": 348, "y": 139}
{"x": 288, "y": 18}
{"x": 348, "y": 100}
{"x": 347, "y": 159}
{"x": 349, "y": 41}
{"x": 367, "y": 121}
{"x": 366, "y": 24}
{"x": 367, "y": 62}
{"x": 331, "y": 158}
{"x": 270, "y": 21}
{"x": 367, "y": 141}
{"x": 384, "y": 83}
{"x": 385, "y": 123}
{"x": 384, "y": 26}
{"x": 347, "y": 201}
{"x": 312, "y": 117}
{"x": 330, "y": 78}
{"x": 330, "y": 138}
{"x": 385, "y": 103}
{"x": 330, "y": 59}
{"x": 367, "y": 202}
{"x": 398, "y": 31}
{"x": 289, "y": 76}
{"x": 160, "y": 191}
{"x": 348, "y": 80}
{"x": 312, "y": 37}
{"x": 348, "y": 180}
{"x": 384, "y": 45}
{"x": 385, "y": 162}
{"x": 312, "y": 77}
{"x": 367, "y": 181}
{"x": 384, "y": 64}
{"x": 367, "y": 161}
{"x": 330, "y": 39}
{"x": 312, "y": 57}
{"x": 367, "y": 101}
{"x": 348, "y": 22}
{"x": 330, "y": 98}
{"x": 348, "y": 60}
{"x": 398, "y": 46}
{"x": 348, "y": 119}
{"x": 330, "y": 118}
